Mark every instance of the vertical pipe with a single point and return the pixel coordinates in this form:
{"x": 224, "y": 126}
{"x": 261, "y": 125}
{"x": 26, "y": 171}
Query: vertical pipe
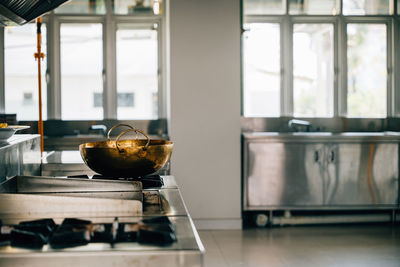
{"x": 39, "y": 56}
{"x": 2, "y": 74}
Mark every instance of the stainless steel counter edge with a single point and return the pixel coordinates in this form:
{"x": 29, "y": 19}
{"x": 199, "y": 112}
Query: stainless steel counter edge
{"x": 108, "y": 258}
{"x": 325, "y": 137}
{"x": 16, "y": 139}
{"x": 188, "y": 251}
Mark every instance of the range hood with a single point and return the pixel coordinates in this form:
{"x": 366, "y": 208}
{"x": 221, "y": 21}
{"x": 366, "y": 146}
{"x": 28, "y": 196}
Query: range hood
{"x": 18, "y": 12}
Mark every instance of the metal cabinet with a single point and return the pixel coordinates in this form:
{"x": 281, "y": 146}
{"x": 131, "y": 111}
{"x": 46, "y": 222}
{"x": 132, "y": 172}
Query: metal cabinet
{"x": 294, "y": 174}
{"x": 363, "y": 174}
{"x": 284, "y": 174}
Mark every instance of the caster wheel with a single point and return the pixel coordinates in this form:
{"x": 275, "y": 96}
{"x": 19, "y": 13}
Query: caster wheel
{"x": 261, "y": 220}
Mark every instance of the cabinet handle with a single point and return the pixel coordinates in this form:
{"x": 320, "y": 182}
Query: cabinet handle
{"x": 316, "y": 156}
{"x": 332, "y": 156}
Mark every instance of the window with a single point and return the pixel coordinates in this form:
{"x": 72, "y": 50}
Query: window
{"x": 367, "y": 7}
{"x": 83, "y": 7}
{"x": 81, "y": 70}
{"x": 366, "y": 75}
{"x": 261, "y": 67}
{"x": 137, "y": 70}
{"x": 103, "y": 61}
{"x": 21, "y": 82}
{"x": 313, "y": 70}
{"x": 261, "y": 7}
{"x": 137, "y": 6}
{"x": 330, "y": 58}
{"x": 313, "y": 7}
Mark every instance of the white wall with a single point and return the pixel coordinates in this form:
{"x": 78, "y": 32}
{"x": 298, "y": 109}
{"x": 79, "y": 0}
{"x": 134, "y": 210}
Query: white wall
{"x": 205, "y": 108}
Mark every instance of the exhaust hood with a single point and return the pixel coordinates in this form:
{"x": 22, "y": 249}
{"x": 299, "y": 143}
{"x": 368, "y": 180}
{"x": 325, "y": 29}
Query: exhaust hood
{"x": 18, "y": 12}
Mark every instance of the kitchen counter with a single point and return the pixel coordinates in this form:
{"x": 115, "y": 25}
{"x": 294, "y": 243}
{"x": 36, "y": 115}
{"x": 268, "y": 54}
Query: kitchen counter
{"x": 17, "y": 139}
{"x": 320, "y": 171}
{"x": 20, "y": 155}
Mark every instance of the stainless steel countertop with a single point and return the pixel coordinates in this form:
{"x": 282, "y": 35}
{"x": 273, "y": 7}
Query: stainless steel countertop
{"x": 323, "y": 137}
{"x": 16, "y": 139}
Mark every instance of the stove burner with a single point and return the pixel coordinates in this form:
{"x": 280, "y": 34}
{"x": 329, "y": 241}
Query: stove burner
{"x": 149, "y": 181}
{"x": 75, "y": 232}
{"x": 78, "y": 176}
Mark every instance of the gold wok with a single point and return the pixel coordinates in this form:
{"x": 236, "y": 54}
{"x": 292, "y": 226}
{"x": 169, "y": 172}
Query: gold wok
{"x": 126, "y": 158}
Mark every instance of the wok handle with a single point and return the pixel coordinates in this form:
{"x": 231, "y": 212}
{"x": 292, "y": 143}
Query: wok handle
{"x": 132, "y": 130}
{"x": 115, "y": 126}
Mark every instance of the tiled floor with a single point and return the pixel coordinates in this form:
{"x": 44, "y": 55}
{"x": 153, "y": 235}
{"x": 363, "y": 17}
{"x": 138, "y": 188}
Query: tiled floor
{"x": 342, "y": 245}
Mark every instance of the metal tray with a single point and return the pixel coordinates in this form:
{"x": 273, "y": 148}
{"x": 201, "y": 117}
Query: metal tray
{"x": 61, "y": 197}
{"x": 33, "y": 197}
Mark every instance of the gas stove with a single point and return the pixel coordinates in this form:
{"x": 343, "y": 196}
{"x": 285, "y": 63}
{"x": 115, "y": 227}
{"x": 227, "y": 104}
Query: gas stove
{"x": 137, "y": 223}
{"x": 75, "y": 232}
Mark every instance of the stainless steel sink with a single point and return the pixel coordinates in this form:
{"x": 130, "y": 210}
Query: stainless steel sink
{"x": 312, "y": 133}
{"x": 325, "y": 136}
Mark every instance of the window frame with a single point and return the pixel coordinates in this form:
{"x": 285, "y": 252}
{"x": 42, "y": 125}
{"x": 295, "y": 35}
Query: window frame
{"x": 109, "y": 22}
{"x": 339, "y": 21}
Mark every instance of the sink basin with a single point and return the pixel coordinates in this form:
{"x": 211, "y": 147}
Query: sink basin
{"x": 363, "y": 134}
{"x": 325, "y": 136}
{"x": 312, "y": 133}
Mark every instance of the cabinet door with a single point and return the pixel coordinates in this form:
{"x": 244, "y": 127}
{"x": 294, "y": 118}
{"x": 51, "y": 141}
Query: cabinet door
{"x": 283, "y": 174}
{"x": 367, "y": 174}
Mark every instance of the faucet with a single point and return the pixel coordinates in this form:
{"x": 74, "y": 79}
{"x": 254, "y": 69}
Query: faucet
{"x": 296, "y": 124}
{"x": 101, "y": 128}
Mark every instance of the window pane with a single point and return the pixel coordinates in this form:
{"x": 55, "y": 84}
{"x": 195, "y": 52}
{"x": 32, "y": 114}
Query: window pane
{"x": 81, "y": 71}
{"x": 313, "y": 70}
{"x": 366, "y": 7}
{"x": 398, "y": 7}
{"x": 313, "y": 7}
{"x": 21, "y": 72}
{"x": 263, "y": 7}
{"x": 366, "y": 70}
{"x": 137, "y": 68}
{"x": 82, "y": 7}
{"x": 137, "y": 7}
{"x": 261, "y": 70}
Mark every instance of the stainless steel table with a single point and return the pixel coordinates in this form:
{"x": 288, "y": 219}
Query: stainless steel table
{"x": 187, "y": 251}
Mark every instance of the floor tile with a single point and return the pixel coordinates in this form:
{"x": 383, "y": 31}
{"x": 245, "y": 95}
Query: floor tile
{"x": 339, "y": 245}
{"x": 213, "y": 256}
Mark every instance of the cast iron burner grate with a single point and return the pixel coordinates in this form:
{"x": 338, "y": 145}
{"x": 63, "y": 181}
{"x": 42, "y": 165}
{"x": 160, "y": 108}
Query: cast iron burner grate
{"x": 149, "y": 181}
{"x": 73, "y": 232}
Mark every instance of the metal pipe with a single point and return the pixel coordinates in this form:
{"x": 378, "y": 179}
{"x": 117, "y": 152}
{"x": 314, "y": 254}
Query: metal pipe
{"x": 296, "y": 220}
{"x": 40, "y": 56}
